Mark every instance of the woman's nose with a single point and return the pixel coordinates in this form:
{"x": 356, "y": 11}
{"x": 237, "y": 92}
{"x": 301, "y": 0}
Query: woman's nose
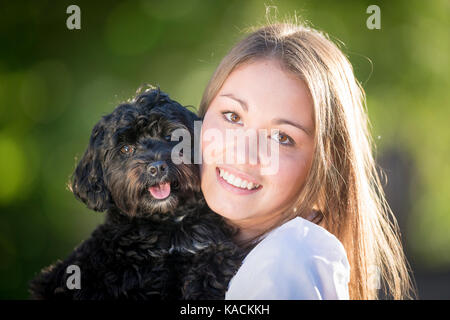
{"x": 241, "y": 147}
{"x": 254, "y": 147}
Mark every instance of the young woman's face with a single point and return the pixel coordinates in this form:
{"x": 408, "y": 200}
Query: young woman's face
{"x": 258, "y": 95}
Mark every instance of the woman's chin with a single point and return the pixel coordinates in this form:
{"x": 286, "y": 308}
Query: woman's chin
{"x": 226, "y": 209}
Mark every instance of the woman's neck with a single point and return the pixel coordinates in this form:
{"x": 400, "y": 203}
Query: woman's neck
{"x": 252, "y": 229}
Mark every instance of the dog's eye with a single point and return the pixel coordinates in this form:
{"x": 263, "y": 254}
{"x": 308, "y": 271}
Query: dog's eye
{"x": 127, "y": 149}
{"x": 168, "y": 137}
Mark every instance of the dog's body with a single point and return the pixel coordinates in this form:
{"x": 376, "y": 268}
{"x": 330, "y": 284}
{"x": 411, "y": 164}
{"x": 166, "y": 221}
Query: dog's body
{"x": 159, "y": 239}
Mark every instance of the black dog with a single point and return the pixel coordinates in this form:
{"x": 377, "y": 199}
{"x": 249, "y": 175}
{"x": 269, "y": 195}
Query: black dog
{"x": 159, "y": 239}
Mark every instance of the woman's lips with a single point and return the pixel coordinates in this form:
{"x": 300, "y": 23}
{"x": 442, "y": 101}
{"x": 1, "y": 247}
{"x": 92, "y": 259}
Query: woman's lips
{"x": 234, "y": 189}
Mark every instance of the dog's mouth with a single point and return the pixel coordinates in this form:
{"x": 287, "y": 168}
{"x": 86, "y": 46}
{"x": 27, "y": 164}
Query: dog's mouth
{"x": 163, "y": 189}
{"x": 160, "y": 191}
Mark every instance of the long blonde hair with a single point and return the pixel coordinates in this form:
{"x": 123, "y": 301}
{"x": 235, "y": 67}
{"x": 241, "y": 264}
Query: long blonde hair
{"x": 343, "y": 183}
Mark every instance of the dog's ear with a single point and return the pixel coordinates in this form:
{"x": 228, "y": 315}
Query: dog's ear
{"x": 88, "y": 183}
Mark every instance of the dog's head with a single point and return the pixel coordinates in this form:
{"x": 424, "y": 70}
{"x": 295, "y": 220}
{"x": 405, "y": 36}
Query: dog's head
{"x": 129, "y": 163}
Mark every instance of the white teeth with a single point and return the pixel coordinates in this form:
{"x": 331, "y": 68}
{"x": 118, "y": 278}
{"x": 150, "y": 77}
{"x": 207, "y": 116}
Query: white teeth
{"x": 236, "y": 181}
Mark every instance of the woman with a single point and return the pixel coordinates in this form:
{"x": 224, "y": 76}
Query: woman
{"x": 319, "y": 227}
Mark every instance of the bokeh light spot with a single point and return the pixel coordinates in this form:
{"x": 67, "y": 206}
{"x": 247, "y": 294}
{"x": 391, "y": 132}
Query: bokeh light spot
{"x": 130, "y": 31}
{"x": 12, "y": 169}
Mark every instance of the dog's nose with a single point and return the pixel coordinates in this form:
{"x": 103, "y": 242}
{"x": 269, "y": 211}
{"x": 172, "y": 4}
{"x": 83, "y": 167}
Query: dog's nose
{"x": 157, "y": 168}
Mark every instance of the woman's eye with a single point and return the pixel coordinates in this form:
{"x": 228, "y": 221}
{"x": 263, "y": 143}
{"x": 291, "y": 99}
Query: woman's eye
{"x": 127, "y": 149}
{"x": 282, "y": 138}
{"x": 232, "y": 117}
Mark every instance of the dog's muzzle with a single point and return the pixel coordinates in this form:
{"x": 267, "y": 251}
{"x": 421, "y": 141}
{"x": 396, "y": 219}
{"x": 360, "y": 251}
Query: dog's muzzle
{"x": 157, "y": 169}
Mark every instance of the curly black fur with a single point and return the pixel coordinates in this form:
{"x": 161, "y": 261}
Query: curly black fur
{"x": 147, "y": 248}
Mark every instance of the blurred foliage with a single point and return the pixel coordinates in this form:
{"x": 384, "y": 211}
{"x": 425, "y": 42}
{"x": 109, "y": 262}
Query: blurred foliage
{"x": 56, "y": 83}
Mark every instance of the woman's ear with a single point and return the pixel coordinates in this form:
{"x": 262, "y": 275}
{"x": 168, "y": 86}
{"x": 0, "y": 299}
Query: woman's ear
{"x": 88, "y": 184}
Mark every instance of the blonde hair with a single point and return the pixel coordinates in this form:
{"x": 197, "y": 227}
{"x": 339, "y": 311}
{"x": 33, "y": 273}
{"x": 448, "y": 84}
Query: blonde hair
{"x": 343, "y": 183}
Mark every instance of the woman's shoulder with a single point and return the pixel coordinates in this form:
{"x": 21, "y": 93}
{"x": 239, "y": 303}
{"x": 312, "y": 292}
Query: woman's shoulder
{"x": 298, "y": 260}
{"x": 301, "y": 238}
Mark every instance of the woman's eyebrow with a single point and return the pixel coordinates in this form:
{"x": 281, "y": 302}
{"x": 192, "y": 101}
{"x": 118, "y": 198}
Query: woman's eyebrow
{"x": 243, "y": 104}
{"x": 297, "y": 125}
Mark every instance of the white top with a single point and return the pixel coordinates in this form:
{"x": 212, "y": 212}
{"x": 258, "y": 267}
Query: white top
{"x": 298, "y": 260}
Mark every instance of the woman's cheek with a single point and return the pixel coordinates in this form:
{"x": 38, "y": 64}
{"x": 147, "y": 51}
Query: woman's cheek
{"x": 291, "y": 173}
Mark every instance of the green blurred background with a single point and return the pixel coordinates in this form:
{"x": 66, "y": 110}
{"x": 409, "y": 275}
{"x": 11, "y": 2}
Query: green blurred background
{"x": 56, "y": 83}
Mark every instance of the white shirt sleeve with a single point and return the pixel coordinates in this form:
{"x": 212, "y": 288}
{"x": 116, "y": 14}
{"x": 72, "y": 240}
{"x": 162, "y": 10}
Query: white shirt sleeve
{"x": 298, "y": 260}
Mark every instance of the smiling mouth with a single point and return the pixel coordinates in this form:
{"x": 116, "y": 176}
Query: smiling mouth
{"x": 236, "y": 184}
{"x": 236, "y": 181}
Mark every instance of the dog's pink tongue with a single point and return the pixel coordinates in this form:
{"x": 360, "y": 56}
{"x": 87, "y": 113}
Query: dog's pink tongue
{"x": 160, "y": 191}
